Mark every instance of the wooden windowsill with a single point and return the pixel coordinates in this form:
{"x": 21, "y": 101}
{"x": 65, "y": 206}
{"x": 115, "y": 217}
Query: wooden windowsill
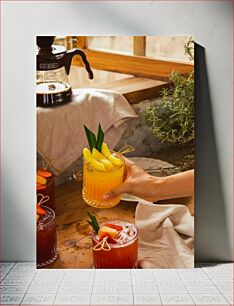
{"x": 139, "y": 66}
{"x": 136, "y": 89}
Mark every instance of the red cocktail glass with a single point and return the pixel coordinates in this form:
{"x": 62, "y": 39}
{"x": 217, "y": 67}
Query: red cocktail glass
{"x": 48, "y": 190}
{"x": 46, "y": 238}
{"x": 122, "y": 254}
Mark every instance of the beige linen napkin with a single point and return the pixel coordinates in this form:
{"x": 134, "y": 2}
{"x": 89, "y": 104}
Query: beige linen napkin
{"x": 166, "y": 236}
{"x": 60, "y": 132}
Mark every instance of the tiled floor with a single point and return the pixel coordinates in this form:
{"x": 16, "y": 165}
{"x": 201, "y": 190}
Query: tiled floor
{"x": 208, "y": 284}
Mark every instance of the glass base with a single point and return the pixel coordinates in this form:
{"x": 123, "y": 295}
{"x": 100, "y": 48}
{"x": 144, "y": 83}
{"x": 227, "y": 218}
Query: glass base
{"x": 48, "y": 262}
{"x": 98, "y": 204}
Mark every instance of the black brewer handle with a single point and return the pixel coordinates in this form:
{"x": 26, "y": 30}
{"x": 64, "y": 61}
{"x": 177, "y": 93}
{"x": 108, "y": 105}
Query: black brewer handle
{"x": 68, "y": 58}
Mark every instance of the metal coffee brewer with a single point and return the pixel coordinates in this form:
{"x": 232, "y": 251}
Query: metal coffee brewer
{"x": 53, "y": 67}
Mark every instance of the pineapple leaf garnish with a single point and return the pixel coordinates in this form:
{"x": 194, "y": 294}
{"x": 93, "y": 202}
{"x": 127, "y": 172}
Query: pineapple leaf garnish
{"x": 91, "y": 138}
{"x": 93, "y": 222}
{"x": 100, "y": 138}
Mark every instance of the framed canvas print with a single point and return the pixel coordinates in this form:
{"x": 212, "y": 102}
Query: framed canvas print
{"x": 115, "y": 152}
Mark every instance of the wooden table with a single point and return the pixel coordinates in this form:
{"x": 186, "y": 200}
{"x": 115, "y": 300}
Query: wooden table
{"x": 74, "y": 242}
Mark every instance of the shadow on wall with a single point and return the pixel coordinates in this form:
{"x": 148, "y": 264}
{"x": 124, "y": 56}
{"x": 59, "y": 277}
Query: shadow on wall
{"x": 210, "y": 208}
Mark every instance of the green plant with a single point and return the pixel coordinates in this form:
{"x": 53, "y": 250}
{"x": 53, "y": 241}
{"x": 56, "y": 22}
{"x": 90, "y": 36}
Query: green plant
{"x": 172, "y": 120}
{"x": 186, "y": 163}
{"x": 189, "y": 49}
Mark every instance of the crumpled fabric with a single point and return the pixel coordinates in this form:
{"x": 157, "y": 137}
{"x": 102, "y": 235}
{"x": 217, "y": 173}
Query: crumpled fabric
{"x": 60, "y": 133}
{"x": 165, "y": 236}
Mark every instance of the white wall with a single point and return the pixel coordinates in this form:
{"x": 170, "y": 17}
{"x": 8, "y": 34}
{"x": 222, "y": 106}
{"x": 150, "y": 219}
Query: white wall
{"x": 209, "y": 22}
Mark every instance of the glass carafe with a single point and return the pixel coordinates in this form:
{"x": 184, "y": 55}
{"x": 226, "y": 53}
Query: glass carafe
{"x": 53, "y": 66}
{"x": 53, "y": 87}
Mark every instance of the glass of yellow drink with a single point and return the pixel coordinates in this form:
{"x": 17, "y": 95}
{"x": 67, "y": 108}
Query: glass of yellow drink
{"x": 96, "y": 183}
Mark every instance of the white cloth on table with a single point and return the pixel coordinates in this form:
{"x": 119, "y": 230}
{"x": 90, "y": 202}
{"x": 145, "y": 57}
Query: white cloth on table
{"x": 165, "y": 236}
{"x": 60, "y": 132}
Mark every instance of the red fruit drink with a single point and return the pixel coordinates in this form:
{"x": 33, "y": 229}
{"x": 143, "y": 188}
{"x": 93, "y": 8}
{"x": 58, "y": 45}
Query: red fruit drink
{"x": 46, "y": 238}
{"x": 122, "y": 254}
{"x": 48, "y": 190}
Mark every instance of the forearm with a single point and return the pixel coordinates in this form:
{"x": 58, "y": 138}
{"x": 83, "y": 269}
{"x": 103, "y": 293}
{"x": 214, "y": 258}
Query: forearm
{"x": 151, "y": 188}
{"x": 175, "y": 186}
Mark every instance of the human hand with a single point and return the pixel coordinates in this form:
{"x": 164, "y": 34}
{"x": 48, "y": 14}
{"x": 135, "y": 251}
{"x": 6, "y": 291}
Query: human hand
{"x": 137, "y": 182}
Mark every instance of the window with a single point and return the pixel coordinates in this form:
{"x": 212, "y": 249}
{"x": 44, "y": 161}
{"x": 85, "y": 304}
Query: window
{"x": 129, "y": 61}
